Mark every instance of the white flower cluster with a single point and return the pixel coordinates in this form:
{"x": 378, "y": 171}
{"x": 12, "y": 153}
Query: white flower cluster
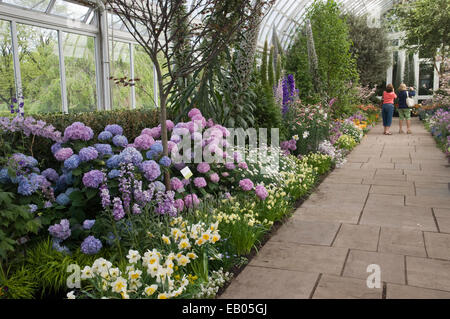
{"x": 337, "y": 155}
{"x": 349, "y": 128}
{"x": 216, "y": 281}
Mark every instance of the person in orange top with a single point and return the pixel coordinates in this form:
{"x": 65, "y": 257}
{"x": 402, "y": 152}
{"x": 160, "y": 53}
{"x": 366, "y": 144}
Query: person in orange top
{"x": 388, "y": 108}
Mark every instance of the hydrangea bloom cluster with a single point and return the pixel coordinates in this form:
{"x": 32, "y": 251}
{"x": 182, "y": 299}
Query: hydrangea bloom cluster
{"x": 93, "y": 178}
{"x": 151, "y": 170}
{"x": 60, "y": 231}
{"x": 91, "y": 245}
{"x": 114, "y": 129}
{"x": 30, "y": 127}
{"x": 246, "y": 184}
{"x": 72, "y": 162}
{"x": 87, "y": 154}
{"x": 120, "y": 141}
{"x": 63, "y": 153}
{"x": 78, "y": 131}
{"x": 103, "y": 149}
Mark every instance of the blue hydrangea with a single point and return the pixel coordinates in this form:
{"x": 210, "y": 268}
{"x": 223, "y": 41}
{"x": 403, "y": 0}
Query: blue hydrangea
{"x": 50, "y": 174}
{"x": 88, "y": 154}
{"x": 157, "y": 147}
{"x": 104, "y": 149}
{"x": 113, "y": 162}
{"x": 64, "y": 181}
{"x": 4, "y": 177}
{"x": 72, "y": 162}
{"x": 105, "y": 136}
{"x": 165, "y": 161}
{"x": 114, "y": 129}
{"x": 56, "y": 147}
{"x": 70, "y": 190}
{"x": 33, "y": 208}
{"x": 120, "y": 141}
{"x": 152, "y": 154}
{"x": 88, "y": 224}
{"x": 26, "y": 188}
{"x": 114, "y": 174}
{"x": 56, "y": 244}
{"x": 63, "y": 199}
{"x": 91, "y": 245}
{"x": 159, "y": 187}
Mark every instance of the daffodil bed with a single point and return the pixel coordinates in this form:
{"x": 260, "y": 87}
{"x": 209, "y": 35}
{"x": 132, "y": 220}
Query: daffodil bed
{"x": 106, "y": 211}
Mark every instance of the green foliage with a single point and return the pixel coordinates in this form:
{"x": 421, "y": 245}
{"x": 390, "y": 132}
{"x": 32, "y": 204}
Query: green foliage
{"x": 264, "y": 66}
{"x": 426, "y": 26}
{"x": 16, "y": 221}
{"x": 337, "y": 67}
{"x": 270, "y": 69}
{"x": 20, "y": 284}
{"x": 370, "y": 48}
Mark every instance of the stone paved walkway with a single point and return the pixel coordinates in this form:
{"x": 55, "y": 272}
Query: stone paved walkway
{"x": 389, "y": 205}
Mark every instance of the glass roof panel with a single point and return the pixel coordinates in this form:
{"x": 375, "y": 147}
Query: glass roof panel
{"x": 38, "y": 5}
{"x": 70, "y": 10}
{"x": 286, "y": 15}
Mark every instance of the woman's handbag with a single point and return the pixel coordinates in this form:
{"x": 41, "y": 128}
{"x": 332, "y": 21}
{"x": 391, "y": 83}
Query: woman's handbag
{"x": 410, "y": 101}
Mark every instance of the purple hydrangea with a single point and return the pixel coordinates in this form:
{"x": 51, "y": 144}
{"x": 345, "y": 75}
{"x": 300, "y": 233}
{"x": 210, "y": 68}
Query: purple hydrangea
{"x": 87, "y": 154}
{"x": 63, "y": 154}
{"x": 105, "y": 136}
{"x": 60, "y": 231}
{"x": 243, "y": 165}
{"x": 191, "y": 201}
{"x": 103, "y": 149}
{"x": 120, "y": 141}
{"x": 179, "y": 205}
{"x": 114, "y": 129}
{"x": 203, "y": 168}
{"x": 151, "y": 170}
{"x": 50, "y": 174}
{"x": 157, "y": 147}
{"x": 56, "y": 147}
{"x": 246, "y": 184}
{"x": 130, "y": 155}
{"x": 200, "y": 182}
{"x": 113, "y": 174}
{"x": 93, "y": 178}
{"x": 194, "y": 112}
{"x": 78, "y": 131}
{"x": 72, "y": 162}
{"x": 230, "y": 166}
{"x": 88, "y": 224}
{"x": 91, "y": 245}
{"x": 56, "y": 244}
{"x": 113, "y": 161}
{"x": 33, "y": 208}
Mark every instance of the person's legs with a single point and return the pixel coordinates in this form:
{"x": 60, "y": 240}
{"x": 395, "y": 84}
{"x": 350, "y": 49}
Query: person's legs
{"x": 384, "y": 114}
{"x": 389, "y": 115}
{"x": 401, "y": 118}
{"x": 408, "y": 120}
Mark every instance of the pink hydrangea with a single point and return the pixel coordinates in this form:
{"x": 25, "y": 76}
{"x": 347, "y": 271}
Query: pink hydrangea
{"x": 78, "y": 131}
{"x": 143, "y": 142}
{"x": 179, "y": 205}
{"x": 243, "y": 165}
{"x": 170, "y": 125}
{"x": 191, "y": 201}
{"x": 203, "y": 168}
{"x": 146, "y": 131}
{"x": 200, "y": 182}
{"x": 176, "y": 183}
{"x": 230, "y": 166}
{"x": 93, "y": 178}
{"x": 214, "y": 178}
{"x": 63, "y": 154}
{"x": 199, "y": 118}
{"x": 194, "y": 112}
{"x": 225, "y": 174}
{"x": 210, "y": 123}
{"x": 261, "y": 192}
{"x": 246, "y": 184}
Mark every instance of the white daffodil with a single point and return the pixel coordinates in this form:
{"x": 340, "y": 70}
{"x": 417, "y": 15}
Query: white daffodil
{"x": 135, "y": 275}
{"x": 184, "y": 244}
{"x": 150, "y": 290}
{"x": 119, "y": 285}
{"x": 87, "y": 273}
{"x": 133, "y": 256}
{"x": 71, "y": 295}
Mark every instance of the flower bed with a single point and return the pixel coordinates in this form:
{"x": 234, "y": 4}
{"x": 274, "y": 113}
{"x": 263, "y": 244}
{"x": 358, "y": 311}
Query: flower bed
{"x": 105, "y": 204}
{"x": 439, "y": 126}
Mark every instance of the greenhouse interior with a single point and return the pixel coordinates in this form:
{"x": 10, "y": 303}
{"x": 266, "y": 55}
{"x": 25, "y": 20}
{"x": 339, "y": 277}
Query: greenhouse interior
{"x": 212, "y": 149}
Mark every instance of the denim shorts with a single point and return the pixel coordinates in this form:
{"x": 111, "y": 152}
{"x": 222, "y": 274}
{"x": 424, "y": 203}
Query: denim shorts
{"x": 387, "y": 114}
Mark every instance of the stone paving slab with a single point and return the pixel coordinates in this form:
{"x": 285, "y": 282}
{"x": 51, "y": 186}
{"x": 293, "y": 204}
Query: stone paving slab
{"x": 402, "y": 242}
{"x": 394, "y": 291}
{"x": 334, "y": 287}
{"x": 428, "y": 273}
{"x": 388, "y": 205}
{"x": 392, "y": 266}
{"x": 438, "y": 245}
{"x": 358, "y": 237}
{"x": 267, "y": 283}
{"x": 307, "y": 232}
{"x": 296, "y": 257}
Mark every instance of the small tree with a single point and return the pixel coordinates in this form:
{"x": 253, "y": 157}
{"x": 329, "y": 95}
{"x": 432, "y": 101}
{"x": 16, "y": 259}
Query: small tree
{"x": 157, "y": 24}
{"x": 426, "y": 24}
